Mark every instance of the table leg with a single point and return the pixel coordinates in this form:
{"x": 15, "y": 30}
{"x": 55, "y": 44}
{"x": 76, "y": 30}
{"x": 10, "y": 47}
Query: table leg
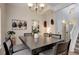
{"x": 34, "y": 53}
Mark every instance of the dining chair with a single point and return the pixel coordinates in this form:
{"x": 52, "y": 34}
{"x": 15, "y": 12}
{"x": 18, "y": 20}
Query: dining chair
{"x": 7, "y": 46}
{"x": 17, "y": 47}
{"x": 27, "y": 34}
{"x": 8, "y": 49}
{"x": 46, "y": 34}
{"x": 56, "y": 36}
{"x": 62, "y": 48}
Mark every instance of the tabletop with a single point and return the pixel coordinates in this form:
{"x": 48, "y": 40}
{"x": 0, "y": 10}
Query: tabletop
{"x": 34, "y": 43}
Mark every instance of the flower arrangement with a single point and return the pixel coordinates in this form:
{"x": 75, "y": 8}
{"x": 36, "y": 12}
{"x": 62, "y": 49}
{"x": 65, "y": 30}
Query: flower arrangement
{"x": 35, "y": 29}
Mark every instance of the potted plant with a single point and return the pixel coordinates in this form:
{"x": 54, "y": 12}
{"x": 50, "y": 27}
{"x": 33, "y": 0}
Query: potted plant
{"x": 10, "y": 33}
{"x": 12, "y": 36}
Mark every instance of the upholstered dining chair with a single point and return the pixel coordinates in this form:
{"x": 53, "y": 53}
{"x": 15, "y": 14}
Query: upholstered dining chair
{"x": 27, "y": 34}
{"x": 62, "y": 48}
{"x": 56, "y": 36}
{"x": 9, "y": 49}
{"x": 46, "y": 34}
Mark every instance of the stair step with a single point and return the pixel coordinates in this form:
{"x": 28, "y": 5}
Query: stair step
{"x": 77, "y": 37}
{"x": 77, "y": 45}
{"x": 76, "y": 50}
{"x": 77, "y": 42}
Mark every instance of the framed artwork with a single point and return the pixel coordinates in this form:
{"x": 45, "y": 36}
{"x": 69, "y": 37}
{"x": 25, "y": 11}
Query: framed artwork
{"x": 19, "y": 24}
{"x": 52, "y": 22}
{"x": 45, "y": 23}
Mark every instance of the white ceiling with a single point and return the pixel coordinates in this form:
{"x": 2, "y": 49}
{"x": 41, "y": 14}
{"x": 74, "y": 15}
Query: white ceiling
{"x": 49, "y": 6}
{"x": 53, "y": 6}
{"x": 58, "y": 6}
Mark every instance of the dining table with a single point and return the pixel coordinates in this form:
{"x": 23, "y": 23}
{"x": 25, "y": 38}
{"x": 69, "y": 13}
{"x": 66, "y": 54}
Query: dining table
{"x": 40, "y": 44}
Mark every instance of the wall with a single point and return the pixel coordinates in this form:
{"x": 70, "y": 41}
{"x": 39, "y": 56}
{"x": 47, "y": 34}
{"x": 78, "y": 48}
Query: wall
{"x": 48, "y": 15}
{"x": 3, "y": 21}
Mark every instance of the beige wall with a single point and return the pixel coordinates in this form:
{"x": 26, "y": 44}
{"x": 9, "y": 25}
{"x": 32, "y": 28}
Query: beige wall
{"x": 3, "y": 21}
{"x": 48, "y": 15}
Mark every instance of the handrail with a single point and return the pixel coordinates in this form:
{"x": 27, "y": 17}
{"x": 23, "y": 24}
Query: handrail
{"x": 74, "y": 31}
{"x": 73, "y": 35}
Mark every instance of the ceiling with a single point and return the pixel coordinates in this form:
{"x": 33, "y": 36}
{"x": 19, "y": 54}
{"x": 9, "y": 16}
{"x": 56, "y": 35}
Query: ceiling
{"x": 49, "y": 6}
{"x": 53, "y": 6}
{"x": 58, "y": 6}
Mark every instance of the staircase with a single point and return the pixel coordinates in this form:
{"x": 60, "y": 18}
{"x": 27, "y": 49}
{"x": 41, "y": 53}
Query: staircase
{"x": 76, "y": 50}
{"x": 74, "y": 46}
{"x": 74, "y": 34}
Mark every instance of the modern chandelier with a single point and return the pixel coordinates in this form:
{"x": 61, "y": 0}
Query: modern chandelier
{"x": 36, "y": 7}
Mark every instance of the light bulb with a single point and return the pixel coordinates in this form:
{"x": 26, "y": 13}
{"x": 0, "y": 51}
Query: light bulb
{"x": 42, "y": 5}
{"x": 30, "y": 4}
{"x": 48, "y": 30}
{"x": 64, "y": 21}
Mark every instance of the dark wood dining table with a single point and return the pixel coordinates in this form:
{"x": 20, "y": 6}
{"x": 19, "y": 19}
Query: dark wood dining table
{"x": 38, "y": 45}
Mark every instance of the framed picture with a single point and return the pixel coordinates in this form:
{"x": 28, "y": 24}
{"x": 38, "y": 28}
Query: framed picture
{"x": 52, "y": 22}
{"x": 45, "y": 23}
{"x": 19, "y": 24}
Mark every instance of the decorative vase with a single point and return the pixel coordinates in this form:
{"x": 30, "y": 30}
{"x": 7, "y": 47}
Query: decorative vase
{"x": 13, "y": 38}
{"x": 36, "y": 36}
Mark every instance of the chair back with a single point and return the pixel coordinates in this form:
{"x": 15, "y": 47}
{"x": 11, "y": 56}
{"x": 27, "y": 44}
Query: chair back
{"x": 56, "y": 36}
{"x": 8, "y": 47}
{"x": 63, "y": 48}
{"x": 46, "y": 34}
{"x": 27, "y": 34}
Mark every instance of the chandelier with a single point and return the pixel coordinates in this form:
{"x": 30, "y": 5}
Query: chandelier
{"x": 36, "y": 7}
